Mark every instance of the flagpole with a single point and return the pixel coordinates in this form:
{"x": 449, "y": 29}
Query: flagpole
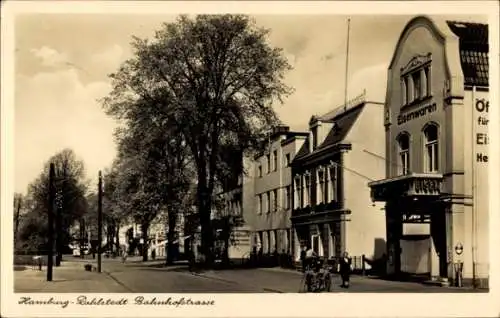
{"x": 347, "y": 63}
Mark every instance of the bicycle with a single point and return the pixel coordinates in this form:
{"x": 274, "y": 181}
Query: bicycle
{"x": 317, "y": 277}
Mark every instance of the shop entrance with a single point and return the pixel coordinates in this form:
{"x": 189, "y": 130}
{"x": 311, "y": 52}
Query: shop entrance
{"x": 416, "y": 255}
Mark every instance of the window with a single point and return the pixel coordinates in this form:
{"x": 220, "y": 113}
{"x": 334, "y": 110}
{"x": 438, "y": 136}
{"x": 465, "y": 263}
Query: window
{"x": 298, "y": 193}
{"x": 315, "y": 243}
{"x": 287, "y": 160}
{"x": 268, "y": 157}
{"x": 268, "y": 202}
{"x": 287, "y": 197}
{"x": 275, "y": 195}
{"x": 306, "y": 189}
{"x": 259, "y": 206}
{"x": 320, "y": 197}
{"x": 404, "y": 154}
{"x": 275, "y": 159}
{"x": 260, "y": 171}
{"x": 416, "y": 85}
{"x": 333, "y": 182}
{"x": 431, "y": 148}
{"x": 315, "y": 137}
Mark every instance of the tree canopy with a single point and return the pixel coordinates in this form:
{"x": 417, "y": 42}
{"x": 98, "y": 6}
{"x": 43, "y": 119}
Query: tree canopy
{"x": 214, "y": 78}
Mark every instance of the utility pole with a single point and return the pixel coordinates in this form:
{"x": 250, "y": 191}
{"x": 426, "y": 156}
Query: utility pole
{"x": 50, "y": 245}
{"x": 18, "y": 212}
{"x": 99, "y": 223}
{"x": 347, "y": 63}
{"x": 58, "y": 228}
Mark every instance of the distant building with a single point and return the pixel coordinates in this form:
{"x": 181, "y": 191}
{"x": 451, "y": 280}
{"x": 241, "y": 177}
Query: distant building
{"x": 233, "y": 212}
{"x": 332, "y": 208}
{"x": 273, "y": 192}
{"x": 436, "y": 134}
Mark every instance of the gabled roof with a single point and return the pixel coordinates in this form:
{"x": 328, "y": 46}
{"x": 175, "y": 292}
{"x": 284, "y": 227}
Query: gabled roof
{"x": 474, "y": 48}
{"x": 343, "y": 123}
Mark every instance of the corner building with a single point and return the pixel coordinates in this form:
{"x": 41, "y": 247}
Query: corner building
{"x": 332, "y": 208}
{"x": 436, "y": 135}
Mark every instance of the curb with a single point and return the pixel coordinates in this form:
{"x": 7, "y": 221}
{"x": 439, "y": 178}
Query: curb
{"x": 118, "y": 282}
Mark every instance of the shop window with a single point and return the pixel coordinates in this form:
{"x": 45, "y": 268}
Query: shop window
{"x": 431, "y": 148}
{"x": 315, "y": 241}
{"x": 404, "y": 154}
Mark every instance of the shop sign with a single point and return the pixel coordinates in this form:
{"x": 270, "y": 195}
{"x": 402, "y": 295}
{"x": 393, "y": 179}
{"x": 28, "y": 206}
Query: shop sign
{"x": 426, "y": 186}
{"x": 423, "y": 111}
{"x": 481, "y": 132}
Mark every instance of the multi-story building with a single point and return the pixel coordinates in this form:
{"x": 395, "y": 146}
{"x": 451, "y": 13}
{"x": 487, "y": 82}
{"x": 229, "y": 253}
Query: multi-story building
{"x": 436, "y": 125}
{"x": 232, "y": 214}
{"x": 273, "y": 192}
{"x": 332, "y": 207}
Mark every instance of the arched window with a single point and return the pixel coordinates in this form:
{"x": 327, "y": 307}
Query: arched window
{"x": 404, "y": 153}
{"x": 431, "y": 148}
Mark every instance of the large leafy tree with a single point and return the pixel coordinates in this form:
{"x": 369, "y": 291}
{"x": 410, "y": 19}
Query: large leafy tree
{"x": 216, "y": 77}
{"x": 71, "y": 188}
{"x": 155, "y": 172}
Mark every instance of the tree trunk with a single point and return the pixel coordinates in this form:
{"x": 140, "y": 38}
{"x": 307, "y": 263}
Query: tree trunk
{"x": 145, "y": 228}
{"x": 206, "y": 229}
{"x": 117, "y": 237}
{"x": 172, "y": 218}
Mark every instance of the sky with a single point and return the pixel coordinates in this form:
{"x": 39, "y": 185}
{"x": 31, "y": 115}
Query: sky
{"x": 62, "y": 62}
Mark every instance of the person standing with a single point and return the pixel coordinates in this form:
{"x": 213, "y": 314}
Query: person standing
{"x": 345, "y": 268}
{"x": 303, "y": 258}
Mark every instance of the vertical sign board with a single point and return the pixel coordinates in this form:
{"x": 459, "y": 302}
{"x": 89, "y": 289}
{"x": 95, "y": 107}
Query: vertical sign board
{"x": 480, "y": 143}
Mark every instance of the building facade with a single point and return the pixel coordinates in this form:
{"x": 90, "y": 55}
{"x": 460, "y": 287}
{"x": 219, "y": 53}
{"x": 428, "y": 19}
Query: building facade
{"x": 332, "y": 208}
{"x": 436, "y": 123}
{"x": 232, "y": 216}
{"x": 273, "y": 192}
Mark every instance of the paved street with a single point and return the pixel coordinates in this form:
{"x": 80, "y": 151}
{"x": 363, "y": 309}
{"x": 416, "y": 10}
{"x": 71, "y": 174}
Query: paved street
{"x": 152, "y": 277}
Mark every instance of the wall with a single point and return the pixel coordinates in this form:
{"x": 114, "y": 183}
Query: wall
{"x": 278, "y": 179}
{"x": 419, "y": 39}
{"x": 476, "y": 223}
{"x": 365, "y": 232}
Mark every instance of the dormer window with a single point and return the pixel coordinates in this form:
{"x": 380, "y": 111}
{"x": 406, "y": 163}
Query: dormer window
{"x": 315, "y": 137}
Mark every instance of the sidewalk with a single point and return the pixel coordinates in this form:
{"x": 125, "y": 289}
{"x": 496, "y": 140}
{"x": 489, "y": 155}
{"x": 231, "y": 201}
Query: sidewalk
{"x": 70, "y": 277}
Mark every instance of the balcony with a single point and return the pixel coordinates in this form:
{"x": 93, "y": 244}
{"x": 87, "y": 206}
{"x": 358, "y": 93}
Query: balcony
{"x": 318, "y": 213}
{"x": 411, "y": 185}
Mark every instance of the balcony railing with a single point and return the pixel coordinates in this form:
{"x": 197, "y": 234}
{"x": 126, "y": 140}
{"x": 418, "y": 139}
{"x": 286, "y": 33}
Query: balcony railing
{"x": 322, "y": 207}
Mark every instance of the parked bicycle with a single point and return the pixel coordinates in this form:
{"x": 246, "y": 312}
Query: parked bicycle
{"x": 317, "y": 276}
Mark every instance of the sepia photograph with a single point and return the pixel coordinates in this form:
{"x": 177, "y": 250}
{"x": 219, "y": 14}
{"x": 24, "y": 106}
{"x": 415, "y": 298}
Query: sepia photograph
{"x": 248, "y": 153}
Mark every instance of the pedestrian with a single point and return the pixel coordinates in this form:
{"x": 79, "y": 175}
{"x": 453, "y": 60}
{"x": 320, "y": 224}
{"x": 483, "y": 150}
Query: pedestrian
{"x": 124, "y": 255}
{"x": 344, "y": 269}
{"x": 153, "y": 253}
{"x": 310, "y": 256}
{"x": 303, "y": 258}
